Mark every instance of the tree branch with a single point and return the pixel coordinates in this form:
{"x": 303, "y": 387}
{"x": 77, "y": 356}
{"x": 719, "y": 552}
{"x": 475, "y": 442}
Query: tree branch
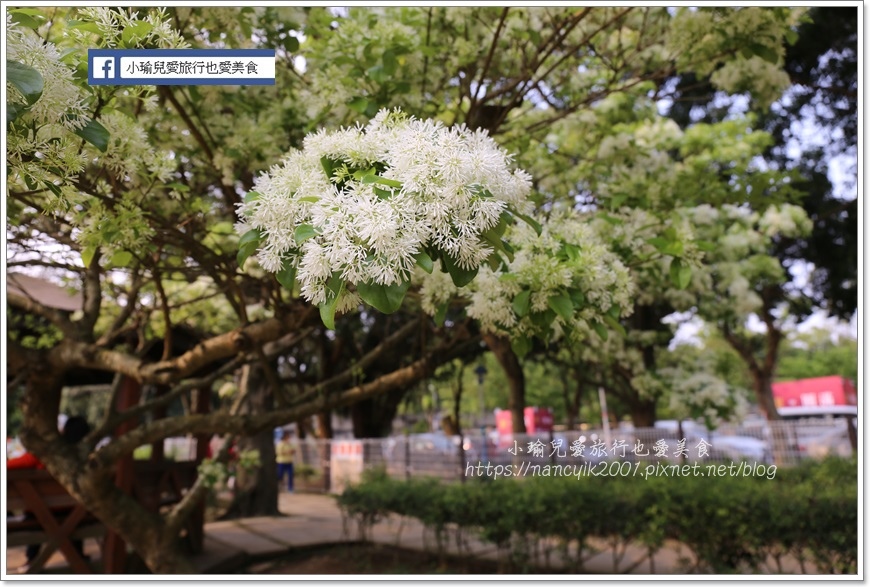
{"x": 126, "y": 312}
{"x": 56, "y": 317}
{"x": 249, "y": 424}
{"x": 72, "y": 353}
{"x": 363, "y": 363}
{"x": 93, "y": 297}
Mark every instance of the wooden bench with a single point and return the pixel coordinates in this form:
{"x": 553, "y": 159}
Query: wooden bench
{"x": 58, "y": 518}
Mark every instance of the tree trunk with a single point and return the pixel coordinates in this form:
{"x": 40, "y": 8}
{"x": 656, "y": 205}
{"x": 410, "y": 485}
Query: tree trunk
{"x": 324, "y": 425}
{"x": 257, "y": 490}
{"x": 507, "y": 358}
{"x": 761, "y": 384}
{"x": 94, "y": 487}
{"x": 643, "y": 413}
{"x": 373, "y": 417}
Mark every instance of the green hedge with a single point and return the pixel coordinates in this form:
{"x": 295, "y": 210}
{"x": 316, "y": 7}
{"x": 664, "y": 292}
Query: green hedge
{"x": 730, "y": 524}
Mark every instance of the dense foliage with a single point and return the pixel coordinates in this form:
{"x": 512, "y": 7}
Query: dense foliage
{"x": 729, "y": 523}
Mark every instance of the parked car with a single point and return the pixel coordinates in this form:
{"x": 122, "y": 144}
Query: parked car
{"x": 822, "y": 430}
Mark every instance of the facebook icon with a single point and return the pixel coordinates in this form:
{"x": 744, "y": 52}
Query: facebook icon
{"x": 103, "y": 68}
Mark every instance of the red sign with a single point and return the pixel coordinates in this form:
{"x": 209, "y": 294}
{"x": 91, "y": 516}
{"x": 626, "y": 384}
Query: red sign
{"x": 536, "y": 420}
{"x": 818, "y": 391}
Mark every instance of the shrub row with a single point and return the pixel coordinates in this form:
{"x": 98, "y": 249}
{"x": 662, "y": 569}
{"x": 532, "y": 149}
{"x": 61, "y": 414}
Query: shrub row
{"x": 730, "y": 524}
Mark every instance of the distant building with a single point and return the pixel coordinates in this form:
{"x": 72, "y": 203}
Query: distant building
{"x": 817, "y": 391}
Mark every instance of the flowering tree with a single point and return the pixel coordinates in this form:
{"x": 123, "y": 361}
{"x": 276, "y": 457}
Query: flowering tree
{"x": 131, "y": 194}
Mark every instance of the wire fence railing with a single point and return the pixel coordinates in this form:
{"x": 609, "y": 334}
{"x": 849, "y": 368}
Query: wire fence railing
{"x": 328, "y": 465}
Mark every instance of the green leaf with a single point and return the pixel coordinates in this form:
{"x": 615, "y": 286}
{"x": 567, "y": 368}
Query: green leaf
{"x": 614, "y": 324}
{"x": 610, "y": 219}
{"x": 183, "y": 188}
{"x": 543, "y": 320}
{"x": 441, "y": 314}
{"x": 705, "y": 246}
{"x": 291, "y": 43}
{"x": 665, "y": 246}
{"x": 390, "y": 63}
{"x": 382, "y": 193}
{"x": 336, "y": 286}
{"x": 312, "y": 199}
{"x": 90, "y": 27}
{"x": 681, "y": 274}
{"x": 122, "y": 258}
{"x": 287, "y": 275}
{"x": 54, "y": 189}
{"x": 28, "y": 11}
{"x": 26, "y": 80}
{"x": 251, "y": 196}
{"x": 96, "y": 134}
{"x": 599, "y": 328}
{"x": 328, "y": 166}
{"x": 385, "y": 298}
{"x": 13, "y": 111}
{"x": 377, "y": 74}
{"x": 766, "y": 53}
{"x": 614, "y": 311}
{"x": 245, "y": 251}
{"x": 521, "y": 345}
{"x": 461, "y": 277}
{"x": 88, "y": 255}
{"x": 498, "y": 244}
{"x": 562, "y": 305}
{"x": 359, "y": 104}
{"x": 495, "y": 261}
{"x": 528, "y": 220}
{"x": 252, "y": 236}
{"x": 304, "y": 232}
{"x": 372, "y": 178}
{"x": 135, "y": 32}
{"x": 248, "y": 245}
{"x": 570, "y": 252}
{"x": 425, "y": 262}
{"x": 521, "y": 303}
{"x": 27, "y": 18}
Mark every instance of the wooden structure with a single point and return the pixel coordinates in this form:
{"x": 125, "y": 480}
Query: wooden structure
{"x": 156, "y": 483}
{"x": 36, "y": 491}
{"x": 57, "y": 518}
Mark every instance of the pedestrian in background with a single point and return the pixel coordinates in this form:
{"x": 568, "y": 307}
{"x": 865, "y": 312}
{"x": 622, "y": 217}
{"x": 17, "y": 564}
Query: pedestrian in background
{"x": 284, "y": 452}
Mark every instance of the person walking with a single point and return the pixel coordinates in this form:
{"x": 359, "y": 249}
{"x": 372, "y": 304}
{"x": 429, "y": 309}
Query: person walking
{"x": 284, "y": 453}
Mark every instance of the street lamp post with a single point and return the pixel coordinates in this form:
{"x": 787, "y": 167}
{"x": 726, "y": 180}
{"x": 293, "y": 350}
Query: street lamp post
{"x": 481, "y": 375}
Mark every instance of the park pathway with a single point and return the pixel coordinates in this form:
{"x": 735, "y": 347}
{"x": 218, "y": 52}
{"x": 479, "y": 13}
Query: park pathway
{"x": 312, "y": 520}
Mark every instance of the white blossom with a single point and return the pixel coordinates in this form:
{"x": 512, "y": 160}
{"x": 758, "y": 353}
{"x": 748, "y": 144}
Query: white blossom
{"x": 428, "y": 186}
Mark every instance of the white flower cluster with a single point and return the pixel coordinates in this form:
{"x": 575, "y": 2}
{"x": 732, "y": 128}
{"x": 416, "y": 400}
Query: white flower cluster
{"x": 356, "y": 42}
{"x": 156, "y": 29}
{"x": 739, "y": 265}
{"x": 704, "y": 395}
{"x": 394, "y": 187}
{"x": 787, "y": 220}
{"x": 61, "y": 102}
{"x": 130, "y": 153}
{"x": 539, "y": 268}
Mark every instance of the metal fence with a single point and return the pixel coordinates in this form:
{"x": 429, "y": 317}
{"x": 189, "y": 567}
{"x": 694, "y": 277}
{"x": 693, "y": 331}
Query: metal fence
{"x": 456, "y": 458}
